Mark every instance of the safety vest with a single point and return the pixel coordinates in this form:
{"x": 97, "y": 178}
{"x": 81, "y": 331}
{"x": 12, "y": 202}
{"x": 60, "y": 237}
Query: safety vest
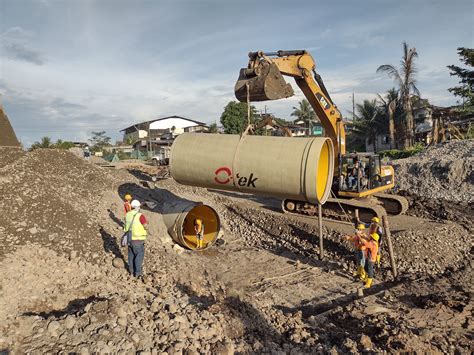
{"x": 138, "y": 230}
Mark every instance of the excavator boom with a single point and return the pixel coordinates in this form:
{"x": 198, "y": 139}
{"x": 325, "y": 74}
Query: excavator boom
{"x": 263, "y": 80}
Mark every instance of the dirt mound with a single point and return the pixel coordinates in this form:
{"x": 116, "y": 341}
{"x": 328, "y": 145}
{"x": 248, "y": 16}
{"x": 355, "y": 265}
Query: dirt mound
{"x": 444, "y": 172}
{"x": 53, "y": 198}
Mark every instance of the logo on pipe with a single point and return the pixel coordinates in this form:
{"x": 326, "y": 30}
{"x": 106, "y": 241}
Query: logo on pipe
{"x": 224, "y": 175}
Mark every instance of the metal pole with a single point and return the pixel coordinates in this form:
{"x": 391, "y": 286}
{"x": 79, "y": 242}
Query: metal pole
{"x": 390, "y": 246}
{"x": 353, "y": 107}
{"x": 320, "y": 224}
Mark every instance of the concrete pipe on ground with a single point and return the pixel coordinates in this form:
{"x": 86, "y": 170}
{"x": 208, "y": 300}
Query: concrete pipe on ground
{"x": 179, "y": 216}
{"x": 285, "y": 167}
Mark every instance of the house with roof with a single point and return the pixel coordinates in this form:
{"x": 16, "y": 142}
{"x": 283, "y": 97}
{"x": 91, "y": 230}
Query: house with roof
{"x": 152, "y": 135}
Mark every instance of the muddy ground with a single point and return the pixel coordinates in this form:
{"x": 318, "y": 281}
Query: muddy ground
{"x": 260, "y": 289}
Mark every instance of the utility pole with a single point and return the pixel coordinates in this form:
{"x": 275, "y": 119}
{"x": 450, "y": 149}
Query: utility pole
{"x": 353, "y": 107}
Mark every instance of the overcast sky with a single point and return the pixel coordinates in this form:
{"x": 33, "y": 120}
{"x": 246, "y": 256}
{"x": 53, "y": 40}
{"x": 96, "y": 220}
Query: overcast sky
{"x": 71, "y": 67}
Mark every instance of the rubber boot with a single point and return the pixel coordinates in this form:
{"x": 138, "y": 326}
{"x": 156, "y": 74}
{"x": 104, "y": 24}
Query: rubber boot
{"x": 368, "y": 283}
{"x": 363, "y": 274}
{"x": 358, "y": 272}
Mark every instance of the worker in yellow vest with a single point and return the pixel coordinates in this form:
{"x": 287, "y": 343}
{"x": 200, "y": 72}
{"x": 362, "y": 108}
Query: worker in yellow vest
{"x": 199, "y": 230}
{"x": 135, "y": 222}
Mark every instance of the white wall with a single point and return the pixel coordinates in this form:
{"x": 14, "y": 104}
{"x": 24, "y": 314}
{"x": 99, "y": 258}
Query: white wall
{"x": 170, "y": 122}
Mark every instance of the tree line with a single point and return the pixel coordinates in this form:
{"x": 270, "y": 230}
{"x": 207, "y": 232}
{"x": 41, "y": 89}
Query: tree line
{"x": 98, "y": 141}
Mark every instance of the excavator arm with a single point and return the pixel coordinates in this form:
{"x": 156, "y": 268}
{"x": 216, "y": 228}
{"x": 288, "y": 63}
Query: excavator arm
{"x": 263, "y": 80}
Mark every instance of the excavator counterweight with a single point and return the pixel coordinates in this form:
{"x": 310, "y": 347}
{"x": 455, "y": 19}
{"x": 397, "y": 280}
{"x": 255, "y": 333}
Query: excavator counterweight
{"x": 264, "y": 82}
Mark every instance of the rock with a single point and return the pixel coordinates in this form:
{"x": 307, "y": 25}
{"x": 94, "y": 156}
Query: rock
{"x": 135, "y": 337}
{"x": 118, "y": 263}
{"x": 178, "y": 249}
{"x": 53, "y": 326}
{"x": 33, "y": 230}
{"x": 69, "y": 322}
{"x": 225, "y": 349}
{"x": 122, "y": 321}
{"x": 370, "y": 310}
{"x": 120, "y": 312}
{"x": 172, "y": 308}
{"x": 365, "y": 342}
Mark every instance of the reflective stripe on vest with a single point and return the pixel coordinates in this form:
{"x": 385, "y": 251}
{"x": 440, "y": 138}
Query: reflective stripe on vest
{"x": 138, "y": 231}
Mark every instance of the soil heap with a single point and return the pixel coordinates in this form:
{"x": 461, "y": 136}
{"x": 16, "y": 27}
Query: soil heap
{"x": 441, "y": 172}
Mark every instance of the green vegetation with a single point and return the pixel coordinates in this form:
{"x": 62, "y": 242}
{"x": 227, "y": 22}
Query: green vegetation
{"x": 47, "y": 143}
{"x": 213, "y": 128}
{"x": 98, "y": 141}
{"x": 368, "y": 122}
{"x": 234, "y": 118}
{"x": 304, "y": 112}
{"x": 402, "y": 153}
{"x": 466, "y": 75}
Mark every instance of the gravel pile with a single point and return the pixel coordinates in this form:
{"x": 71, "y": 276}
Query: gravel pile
{"x": 9, "y": 155}
{"x": 444, "y": 172}
{"x": 53, "y": 198}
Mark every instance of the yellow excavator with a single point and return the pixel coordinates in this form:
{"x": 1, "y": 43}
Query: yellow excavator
{"x": 359, "y": 178}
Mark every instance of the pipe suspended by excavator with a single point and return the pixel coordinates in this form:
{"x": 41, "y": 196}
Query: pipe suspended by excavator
{"x": 283, "y": 167}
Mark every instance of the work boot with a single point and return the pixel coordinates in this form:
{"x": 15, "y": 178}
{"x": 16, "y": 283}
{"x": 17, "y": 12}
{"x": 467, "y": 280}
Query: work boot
{"x": 363, "y": 274}
{"x": 357, "y": 272}
{"x": 368, "y": 283}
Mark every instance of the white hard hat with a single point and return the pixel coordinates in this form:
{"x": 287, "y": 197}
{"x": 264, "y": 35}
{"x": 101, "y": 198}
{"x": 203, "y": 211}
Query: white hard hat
{"x": 135, "y": 204}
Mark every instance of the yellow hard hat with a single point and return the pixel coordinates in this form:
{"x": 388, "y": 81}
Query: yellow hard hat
{"x": 375, "y": 237}
{"x": 361, "y": 227}
{"x": 376, "y": 220}
{"x": 128, "y": 197}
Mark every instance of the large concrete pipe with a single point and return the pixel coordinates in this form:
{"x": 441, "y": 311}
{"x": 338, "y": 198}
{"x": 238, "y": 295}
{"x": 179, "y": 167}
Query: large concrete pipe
{"x": 179, "y": 216}
{"x": 294, "y": 168}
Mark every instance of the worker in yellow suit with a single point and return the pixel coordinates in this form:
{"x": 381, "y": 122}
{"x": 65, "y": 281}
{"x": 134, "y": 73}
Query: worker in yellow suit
{"x": 199, "y": 230}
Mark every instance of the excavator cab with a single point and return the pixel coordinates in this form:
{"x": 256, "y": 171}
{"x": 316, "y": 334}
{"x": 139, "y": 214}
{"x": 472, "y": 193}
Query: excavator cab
{"x": 362, "y": 174}
{"x": 261, "y": 83}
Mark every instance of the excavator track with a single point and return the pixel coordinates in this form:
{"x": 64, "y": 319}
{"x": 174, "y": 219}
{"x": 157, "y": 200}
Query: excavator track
{"x": 393, "y": 204}
{"x": 337, "y": 209}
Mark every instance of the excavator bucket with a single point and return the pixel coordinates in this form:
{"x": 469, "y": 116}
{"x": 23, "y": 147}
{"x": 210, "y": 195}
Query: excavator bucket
{"x": 265, "y": 82}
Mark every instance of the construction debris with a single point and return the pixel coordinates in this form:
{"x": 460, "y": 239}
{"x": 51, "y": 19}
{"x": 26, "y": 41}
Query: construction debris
{"x": 442, "y": 172}
{"x": 262, "y": 289}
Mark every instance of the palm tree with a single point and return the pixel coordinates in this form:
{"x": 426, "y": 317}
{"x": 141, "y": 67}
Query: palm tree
{"x": 404, "y": 77}
{"x": 304, "y": 112}
{"x": 44, "y": 143}
{"x": 390, "y": 104}
{"x": 367, "y": 121}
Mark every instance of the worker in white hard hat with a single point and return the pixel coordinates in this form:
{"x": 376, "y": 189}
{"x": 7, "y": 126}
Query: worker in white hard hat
{"x": 135, "y": 222}
{"x": 87, "y": 153}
